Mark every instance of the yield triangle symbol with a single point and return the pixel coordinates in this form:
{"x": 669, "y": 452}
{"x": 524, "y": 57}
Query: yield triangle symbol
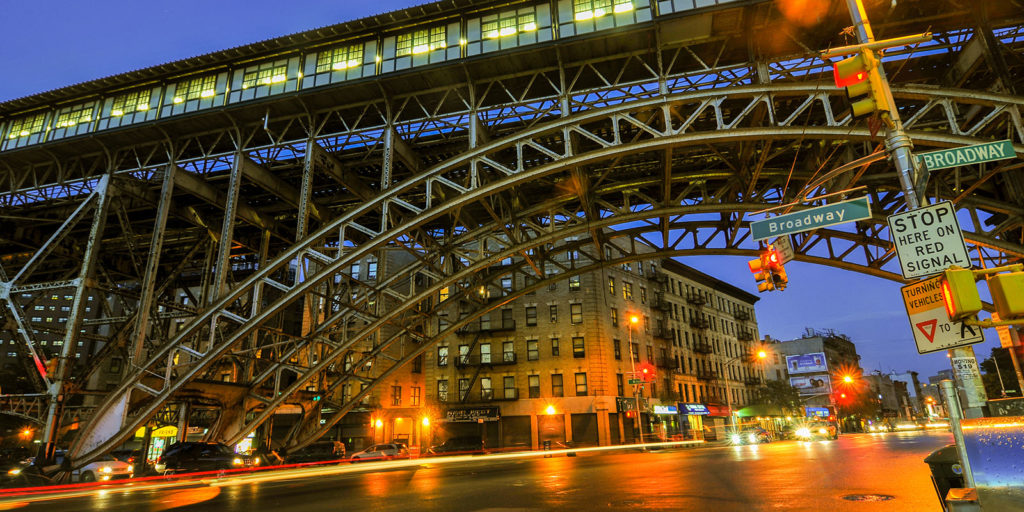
{"x": 928, "y": 329}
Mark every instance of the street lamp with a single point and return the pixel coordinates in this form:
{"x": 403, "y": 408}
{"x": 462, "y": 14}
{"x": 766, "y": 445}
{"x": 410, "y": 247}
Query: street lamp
{"x": 761, "y": 355}
{"x": 637, "y": 388}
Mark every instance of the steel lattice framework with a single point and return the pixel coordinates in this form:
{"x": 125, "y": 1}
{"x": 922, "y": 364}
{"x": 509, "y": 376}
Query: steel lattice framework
{"x": 618, "y": 147}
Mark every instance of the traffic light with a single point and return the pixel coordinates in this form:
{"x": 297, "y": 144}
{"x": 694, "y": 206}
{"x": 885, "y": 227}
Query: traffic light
{"x": 778, "y": 270}
{"x": 863, "y": 82}
{"x": 646, "y": 372}
{"x": 1008, "y": 294}
{"x": 960, "y": 294}
{"x": 762, "y": 273}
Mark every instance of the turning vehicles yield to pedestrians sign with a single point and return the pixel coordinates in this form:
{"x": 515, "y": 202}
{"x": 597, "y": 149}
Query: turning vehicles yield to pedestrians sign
{"x": 932, "y": 329}
{"x": 928, "y": 240}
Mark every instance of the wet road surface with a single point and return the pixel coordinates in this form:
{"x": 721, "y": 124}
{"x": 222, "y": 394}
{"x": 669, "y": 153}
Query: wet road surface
{"x": 784, "y": 475}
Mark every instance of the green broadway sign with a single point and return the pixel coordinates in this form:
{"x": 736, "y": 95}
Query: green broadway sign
{"x": 814, "y": 218}
{"x": 967, "y": 155}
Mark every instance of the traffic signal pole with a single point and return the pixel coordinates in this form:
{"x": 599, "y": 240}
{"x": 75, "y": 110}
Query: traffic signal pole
{"x": 900, "y": 147}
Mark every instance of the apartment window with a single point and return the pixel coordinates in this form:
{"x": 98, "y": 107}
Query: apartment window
{"x": 442, "y": 356}
{"x": 611, "y": 286}
{"x": 485, "y": 353}
{"x": 554, "y": 346}
{"x": 414, "y": 396}
{"x": 620, "y": 388}
{"x": 532, "y": 351}
{"x": 581, "y": 384}
{"x": 531, "y": 315}
{"x": 115, "y": 365}
{"x": 417, "y": 364}
{"x": 420, "y": 41}
{"x": 354, "y": 271}
{"x": 509, "y": 383}
{"x": 506, "y": 319}
{"x": 556, "y": 385}
{"x": 650, "y": 353}
{"x": 508, "y": 353}
{"x": 463, "y": 389}
{"x": 266, "y": 76}
{"x": 506, "y": 285}
{"x": 443, "y": 294}
{"x": 486, "y": 391}
{"x": 533, "y": 383}
{"x": 615, "y": 316}
{"x": 202, "y": 87}
{"x": 463, "y": 354}
{"x": 578, "y": 349}
{"x": 342, "y": 57}
{"x": 396, "y": 395}
{"x": 634, "y": 350}
{"x": 371, "y": 269}
{"x": 576, "y": 313}
{"x": 617, "y": 349}
{"x": 442, "y": 390}
{"x": 627, "y": 290}
{"x": 40, "y": 308}
{"x": 574, "y": 283}
{"x": 643, "y": 295}
{"x": 553, "y": 311}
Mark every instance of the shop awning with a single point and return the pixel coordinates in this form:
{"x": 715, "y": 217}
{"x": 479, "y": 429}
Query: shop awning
{"x": 760, "y": 410}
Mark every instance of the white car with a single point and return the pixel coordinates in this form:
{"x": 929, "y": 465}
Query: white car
{"x": 103, "y": 470}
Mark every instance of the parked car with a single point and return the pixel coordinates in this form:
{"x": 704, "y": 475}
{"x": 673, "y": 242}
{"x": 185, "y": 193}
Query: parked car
{"x": 817, "y": 430}
{"x": 459, "y": 445}
{"x": 384, "y": 451}
{"x": 103, "y": 470}
{"x": 751, "y": 435}
{"x": 320, "y": 452}
{"x": 190, "y": 457}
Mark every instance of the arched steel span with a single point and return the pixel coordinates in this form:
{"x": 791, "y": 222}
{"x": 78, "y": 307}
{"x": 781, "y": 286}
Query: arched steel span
{"x": 493, "y": 179}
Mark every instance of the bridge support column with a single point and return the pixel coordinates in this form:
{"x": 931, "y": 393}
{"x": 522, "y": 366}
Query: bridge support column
{"x": 101, "y": 195}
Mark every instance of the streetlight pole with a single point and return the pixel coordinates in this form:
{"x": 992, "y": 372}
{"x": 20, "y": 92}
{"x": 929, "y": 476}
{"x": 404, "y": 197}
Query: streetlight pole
{"x": 637, "y": 388}
{"x": 761, "y": 355}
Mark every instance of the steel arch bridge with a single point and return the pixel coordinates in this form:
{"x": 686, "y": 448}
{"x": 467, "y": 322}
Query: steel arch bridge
{"x": 618, "y": 146}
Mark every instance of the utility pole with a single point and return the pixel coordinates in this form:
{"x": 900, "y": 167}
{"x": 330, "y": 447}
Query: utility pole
{"x": 912, "y": 177}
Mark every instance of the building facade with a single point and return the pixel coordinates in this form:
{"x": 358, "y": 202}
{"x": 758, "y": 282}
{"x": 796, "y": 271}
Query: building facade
{"x": 800, "y": 363}
{"x": 560, "y": 364}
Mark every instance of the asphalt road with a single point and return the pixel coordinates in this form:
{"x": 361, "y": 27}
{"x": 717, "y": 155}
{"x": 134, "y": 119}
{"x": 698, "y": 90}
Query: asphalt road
{"x": 786, "y": 475}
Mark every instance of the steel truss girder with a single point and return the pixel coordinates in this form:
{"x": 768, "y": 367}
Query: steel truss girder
{"x": 498, "y": 167}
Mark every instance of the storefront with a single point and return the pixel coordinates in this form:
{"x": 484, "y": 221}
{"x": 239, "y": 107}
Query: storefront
{"x": 691, "y": 419}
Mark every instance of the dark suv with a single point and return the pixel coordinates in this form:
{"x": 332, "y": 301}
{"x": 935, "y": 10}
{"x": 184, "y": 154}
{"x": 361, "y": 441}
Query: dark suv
{"x": 460, "y": 445}
{"x": 321, "y": 452}
{"x": 190, "y": 457}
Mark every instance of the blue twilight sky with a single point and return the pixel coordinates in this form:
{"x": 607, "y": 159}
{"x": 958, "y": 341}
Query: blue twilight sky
{"x": 54, "y": 43}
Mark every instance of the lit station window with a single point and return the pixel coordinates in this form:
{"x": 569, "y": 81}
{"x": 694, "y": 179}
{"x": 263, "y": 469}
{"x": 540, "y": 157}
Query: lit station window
{"x": 588, "y": 9}
{"x": 77, "y": 115}
{"x": 341, "y": 58}
{"x": 509, "y": 24}
{"x": 26, "y": 126}
{"x": 202, "y": 87}
{"x": 266, "y": 76}
{"x": 137, "y": 101}
{"x": 420, "y": 41}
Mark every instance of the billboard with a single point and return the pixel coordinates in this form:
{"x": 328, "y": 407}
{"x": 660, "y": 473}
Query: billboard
{"x": 807, "y": 363}
{"x": 811, "y": 384}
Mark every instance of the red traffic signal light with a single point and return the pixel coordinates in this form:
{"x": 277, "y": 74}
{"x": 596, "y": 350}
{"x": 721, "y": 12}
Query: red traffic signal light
{"x": 646, "y": 372}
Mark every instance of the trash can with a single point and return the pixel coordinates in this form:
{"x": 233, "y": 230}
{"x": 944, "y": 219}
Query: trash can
{"x": 946, "y": 471}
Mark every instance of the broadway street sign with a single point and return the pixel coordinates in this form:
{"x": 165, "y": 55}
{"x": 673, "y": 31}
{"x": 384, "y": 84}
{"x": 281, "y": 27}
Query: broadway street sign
{"x": 814, "y": 218}
{"x": 966, "y": 155}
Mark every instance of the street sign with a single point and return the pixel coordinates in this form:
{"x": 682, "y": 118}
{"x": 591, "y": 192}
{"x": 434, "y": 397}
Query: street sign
{"x": 967, "y": 155}
{"x": 634, "y": 381}
{"x": 928, "y": 240}
{"x": 783, "y": 246}
{"x": 933, "y": 331}
{"x": 813, "y": 218}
